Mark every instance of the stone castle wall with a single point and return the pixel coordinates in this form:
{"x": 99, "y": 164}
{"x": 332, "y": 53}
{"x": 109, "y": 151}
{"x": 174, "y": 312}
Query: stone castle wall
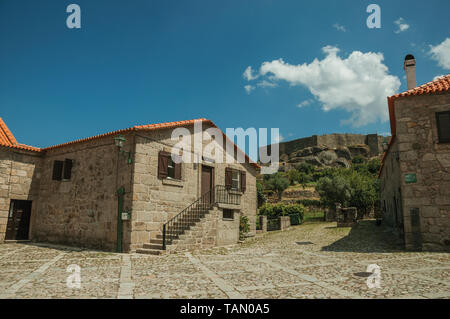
{"x": 332, "y": 141}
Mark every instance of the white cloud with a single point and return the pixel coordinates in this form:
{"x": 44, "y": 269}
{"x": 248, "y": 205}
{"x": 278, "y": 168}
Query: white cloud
{"x": 437, "y": 77}
{"x": 248, "y": 74}
{"x": 266, "y": 84}
{"x": 441, "y": 53}
{"x": 358, "y": 84}
{"x": 401, "y": 25}
{"x": 249, "y": 88}
{"x": 304, "y": 103}
{"x": 339, "y": 27}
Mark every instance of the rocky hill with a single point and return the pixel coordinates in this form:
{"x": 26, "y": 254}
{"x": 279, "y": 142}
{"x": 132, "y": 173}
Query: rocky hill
{"x": 330, "y": 150}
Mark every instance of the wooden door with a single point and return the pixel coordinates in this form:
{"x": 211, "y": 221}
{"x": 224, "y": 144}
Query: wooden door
{"x": 207, "y": 181}
{"x": 18, "y": 220}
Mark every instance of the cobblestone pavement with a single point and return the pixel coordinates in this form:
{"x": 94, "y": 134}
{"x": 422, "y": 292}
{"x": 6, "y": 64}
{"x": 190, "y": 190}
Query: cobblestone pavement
{"x": 307, "y": 261}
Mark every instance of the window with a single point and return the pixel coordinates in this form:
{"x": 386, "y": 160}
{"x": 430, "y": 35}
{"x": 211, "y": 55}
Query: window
{"x": 228, "y": 214}
{"x": 170, "y": 168}
{"x": 443, "y": 126}
{"x": 62, "y": 170}
{"x": 167, "y": 168}
{"x": 235, "y": 178}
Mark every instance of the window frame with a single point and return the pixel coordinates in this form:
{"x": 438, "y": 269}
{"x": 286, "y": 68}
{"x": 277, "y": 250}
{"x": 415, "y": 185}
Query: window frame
{"x": 438, "y": 126}
{"x": 227, "y": 211}
{"x": 233, "y": 180}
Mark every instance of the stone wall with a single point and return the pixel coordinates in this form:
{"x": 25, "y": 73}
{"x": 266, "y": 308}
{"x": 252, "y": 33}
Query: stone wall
{"x": 83, "y": 211}
{"x": 19, "y": 179}
{"x": 332, "y": 141}
{"x": 426, "y": 203}
{"x": 155, "y": 201}
{"x": 390, "y": 189}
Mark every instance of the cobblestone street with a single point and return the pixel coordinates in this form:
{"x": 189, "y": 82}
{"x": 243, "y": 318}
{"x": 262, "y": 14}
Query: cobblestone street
{"x": 307, "y": 261}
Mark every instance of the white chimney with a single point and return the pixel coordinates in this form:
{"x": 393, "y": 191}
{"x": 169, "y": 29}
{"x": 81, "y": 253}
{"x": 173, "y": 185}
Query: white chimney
{"x": 410, "y": 68}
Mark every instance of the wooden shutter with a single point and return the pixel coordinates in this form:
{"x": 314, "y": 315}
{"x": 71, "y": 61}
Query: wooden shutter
{"x": 243, "y": 181}
{"x": 228, "y": 177}
{"x": 57, "y": 170}
{"x": 67, "y": 169}
{"x": 163, "y": 164}
{"x": 177, "y": 169}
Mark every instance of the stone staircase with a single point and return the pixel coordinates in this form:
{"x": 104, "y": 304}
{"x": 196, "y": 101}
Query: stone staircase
{"x": 194, "y": 233}
{"x": 194, "y": 227}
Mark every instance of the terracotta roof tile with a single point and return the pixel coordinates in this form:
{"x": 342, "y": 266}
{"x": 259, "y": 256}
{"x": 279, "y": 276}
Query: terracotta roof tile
{"x": 440, "y": 85}
{"x": 8, "y": 140}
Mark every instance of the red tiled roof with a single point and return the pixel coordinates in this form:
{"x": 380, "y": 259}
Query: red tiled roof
{"x": 8, "y": 140}
{"x": 440, "y": 85}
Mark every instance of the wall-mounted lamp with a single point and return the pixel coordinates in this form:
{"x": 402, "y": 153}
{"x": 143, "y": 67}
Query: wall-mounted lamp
{"x": 119, "y": 140}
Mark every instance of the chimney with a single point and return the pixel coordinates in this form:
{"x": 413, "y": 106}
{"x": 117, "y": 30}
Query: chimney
{"x": 410, "y": 68}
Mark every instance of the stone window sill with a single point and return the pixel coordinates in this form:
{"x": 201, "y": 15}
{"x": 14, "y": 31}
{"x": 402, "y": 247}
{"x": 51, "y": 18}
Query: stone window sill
{"x": 228, "y": 219}
{"x": 172, "y": 182}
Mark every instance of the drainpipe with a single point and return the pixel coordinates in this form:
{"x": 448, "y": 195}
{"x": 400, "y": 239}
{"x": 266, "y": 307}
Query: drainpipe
{"x": 120, "y": 195}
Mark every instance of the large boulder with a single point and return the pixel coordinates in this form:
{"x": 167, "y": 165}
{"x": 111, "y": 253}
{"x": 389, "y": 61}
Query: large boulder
{"x": 344, "y": 152}
{"x": 328, "y": 157}
{"x": 359, "y": 150}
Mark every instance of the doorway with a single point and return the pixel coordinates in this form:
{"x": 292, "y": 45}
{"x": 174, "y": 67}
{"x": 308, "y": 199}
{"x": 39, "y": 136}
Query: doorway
{"x": 18, "y": 220}
{"x": 207, "y": 182}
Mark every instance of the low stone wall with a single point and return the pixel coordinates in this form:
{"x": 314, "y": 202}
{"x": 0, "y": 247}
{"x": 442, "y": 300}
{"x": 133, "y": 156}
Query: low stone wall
{"x": 346, "y": 217}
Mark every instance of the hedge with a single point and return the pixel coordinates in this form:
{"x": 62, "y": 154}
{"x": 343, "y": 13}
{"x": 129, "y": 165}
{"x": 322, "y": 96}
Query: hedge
{"x": 279, "y": 209}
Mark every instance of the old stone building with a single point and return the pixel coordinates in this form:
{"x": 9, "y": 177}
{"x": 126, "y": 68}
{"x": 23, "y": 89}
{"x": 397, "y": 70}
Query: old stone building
{"x": 415, "y": 172}
{"x": 122, "y": 191}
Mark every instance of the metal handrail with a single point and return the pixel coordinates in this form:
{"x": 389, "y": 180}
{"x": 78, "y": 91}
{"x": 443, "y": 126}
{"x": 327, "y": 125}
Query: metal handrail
{"x": 191, "y": 214}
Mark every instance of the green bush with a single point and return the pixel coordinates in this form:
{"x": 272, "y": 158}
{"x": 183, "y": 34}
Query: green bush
{"x": 244, "y": 227}
{"x": 295, "y": 219}
{"x": 277, "y": 210}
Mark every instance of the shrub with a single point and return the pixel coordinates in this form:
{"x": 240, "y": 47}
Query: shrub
{"x": 277, "y": 210}
{"x": 295, "y": 219}
{"x": 244, "y": 227}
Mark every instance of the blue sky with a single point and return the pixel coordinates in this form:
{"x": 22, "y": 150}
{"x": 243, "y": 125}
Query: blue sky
{"x": 137, "y": 62}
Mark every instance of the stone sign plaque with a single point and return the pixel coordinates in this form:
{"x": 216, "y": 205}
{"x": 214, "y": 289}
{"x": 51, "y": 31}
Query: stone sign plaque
{"x": 410, "y": 178}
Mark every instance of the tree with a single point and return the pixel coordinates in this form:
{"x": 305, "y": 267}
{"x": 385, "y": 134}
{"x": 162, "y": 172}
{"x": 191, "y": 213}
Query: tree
{"x": 351, "y": 188}
{"x": 306, "y": 168}
{"x": 278, "y": 183}
{"x": 334, "y": 190}
{"x": 293, "y": 176}
{"x": 304, "y": 179}
{"x": 260, "y": 192}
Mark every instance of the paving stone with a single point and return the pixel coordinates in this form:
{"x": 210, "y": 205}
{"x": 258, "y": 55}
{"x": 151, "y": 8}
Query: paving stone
{"x": 271, "y": 265}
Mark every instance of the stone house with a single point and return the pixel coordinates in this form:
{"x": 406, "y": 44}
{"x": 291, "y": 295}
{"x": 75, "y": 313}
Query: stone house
{"x": 415, "y": 172}
{"x": 135, "y": 197}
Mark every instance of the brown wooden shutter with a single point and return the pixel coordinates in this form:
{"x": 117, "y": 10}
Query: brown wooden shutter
{"x": 177, "y": 169}
{"x": 67, "y": 168}
{"x": 228, "y": 177}
{"x": 243, "y": 181}
{"x": 57, "y": 170}
{"x": 163, "y": 164}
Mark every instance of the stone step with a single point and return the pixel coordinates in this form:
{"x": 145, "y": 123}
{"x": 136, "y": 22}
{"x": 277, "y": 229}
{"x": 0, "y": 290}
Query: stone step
{"x": 152, "y": 246}
{"x": 149, "y": 251}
